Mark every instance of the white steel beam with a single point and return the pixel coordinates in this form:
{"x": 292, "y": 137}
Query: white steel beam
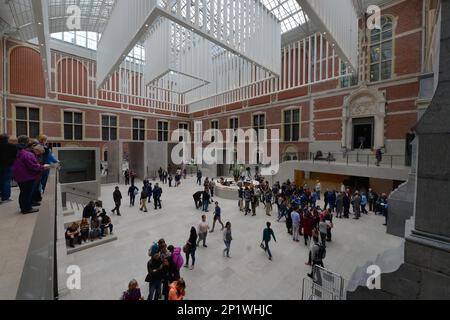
{"x": 338, "y": 22}
{"x": 40, "y": 10}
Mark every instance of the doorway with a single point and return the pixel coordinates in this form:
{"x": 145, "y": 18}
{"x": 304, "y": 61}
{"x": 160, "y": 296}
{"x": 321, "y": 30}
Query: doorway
{"x": 363, "y": 133}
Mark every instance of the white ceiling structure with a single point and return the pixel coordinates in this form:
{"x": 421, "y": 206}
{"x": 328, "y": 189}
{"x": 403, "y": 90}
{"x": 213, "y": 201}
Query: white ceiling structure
{"x": 237, "y": 30}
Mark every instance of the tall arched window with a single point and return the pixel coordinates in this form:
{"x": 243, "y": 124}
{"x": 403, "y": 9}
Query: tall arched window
{"x": 381, "y": 51}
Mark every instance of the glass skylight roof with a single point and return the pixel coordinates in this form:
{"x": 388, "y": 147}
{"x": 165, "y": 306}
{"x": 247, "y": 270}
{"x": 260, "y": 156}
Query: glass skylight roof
{"x": 288, "y": 12}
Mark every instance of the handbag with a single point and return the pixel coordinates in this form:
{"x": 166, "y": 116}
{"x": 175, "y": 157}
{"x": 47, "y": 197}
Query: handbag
{"x": 263, "y": 246}
{"x": 186, "y": 248}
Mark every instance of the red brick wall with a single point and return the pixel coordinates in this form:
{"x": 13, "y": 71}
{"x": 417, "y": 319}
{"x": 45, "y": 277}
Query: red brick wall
{"x": 26, "y": 74}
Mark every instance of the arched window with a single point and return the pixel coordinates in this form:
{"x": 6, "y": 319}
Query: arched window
{"x": 381, "y": 51}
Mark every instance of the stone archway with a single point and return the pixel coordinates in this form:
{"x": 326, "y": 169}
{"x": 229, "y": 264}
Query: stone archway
{"x": 364, "y": 103}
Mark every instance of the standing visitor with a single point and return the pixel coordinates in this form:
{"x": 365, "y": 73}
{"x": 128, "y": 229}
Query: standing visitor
{"x": 190, "y": 248}
{"x": 268, "y": 234}
{"x": 318, "y": 189}
{"x": 364, "y": 203}
{"x": 295, "y": 224}
{"x": 339, "y": 204}
{"x": 203, "y": 229}
{"x": 346, "y": 203}
{"x": 372, "y": 199}
{"x": 9, "y": 153}
{"x": 154, "y": 276}
{"x": 170, "y": 274}
{"x": 133, "y": 293}
{"x": 357, "y": 205}
{"x": 227, "y": 238}
{"x": 27, "y": 172}
{"x": 126, "y": 174}
{"x": 379, "y": 156}
{"x": 205, "y": 200}
{"x": 117, "y": 197}
{"x": 308, "y": 226}
{"x": 177, "y": 290}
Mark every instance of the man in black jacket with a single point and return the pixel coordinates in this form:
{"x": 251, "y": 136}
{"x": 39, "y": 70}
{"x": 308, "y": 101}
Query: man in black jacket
{"x": 157, "y": 192}
{"x": 117, "y": 196}
{"x": 8, "y": 153}
{"x": 154, "y": 276}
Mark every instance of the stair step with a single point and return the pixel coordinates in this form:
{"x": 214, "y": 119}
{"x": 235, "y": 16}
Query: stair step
{"x": 89, "y": 245}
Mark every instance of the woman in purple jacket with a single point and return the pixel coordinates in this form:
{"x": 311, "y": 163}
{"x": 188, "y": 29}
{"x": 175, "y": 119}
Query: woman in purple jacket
{"x": 26, "y": 171}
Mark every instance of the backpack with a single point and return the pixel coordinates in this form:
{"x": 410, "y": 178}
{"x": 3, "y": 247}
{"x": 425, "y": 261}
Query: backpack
{"x": 322, "y": 251}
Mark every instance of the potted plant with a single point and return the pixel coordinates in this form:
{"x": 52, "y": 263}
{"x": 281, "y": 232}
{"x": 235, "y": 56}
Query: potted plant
{"x": 236, "y": 172}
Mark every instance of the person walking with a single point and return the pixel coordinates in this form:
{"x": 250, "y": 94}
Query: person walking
{"x": 217, "y": 217}
{"x": 268, "y": 234}
{"x": 227, "y": 238}
{"x": 190, "y": 248}
{"x": 203, "y": 229}
{"x": 295, "y": 224}
{"x": 318, "y": 253}
{"x": 143, "y": 199}
{"x": 117, "y": 197}
{"x": 199, "y": 177}
{"x": 132, "y": 192}
{"x": 157, "y": 192}
{"x": 268, "y": 203}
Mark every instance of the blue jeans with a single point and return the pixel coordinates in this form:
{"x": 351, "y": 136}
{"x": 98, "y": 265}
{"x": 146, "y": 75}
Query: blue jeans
{"x": 192, "y": 254}
{"x": 6, "y": 177}
{"x": 227, "y": 248}
{"x": 205, "y": 205}
{"x": 155, "y": 290}
{"x": 44, "y": 180}
{"x": 267, "y": 249}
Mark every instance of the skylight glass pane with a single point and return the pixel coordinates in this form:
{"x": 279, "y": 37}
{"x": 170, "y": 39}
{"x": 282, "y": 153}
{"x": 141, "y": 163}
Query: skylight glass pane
{"x": 288, "y": 12}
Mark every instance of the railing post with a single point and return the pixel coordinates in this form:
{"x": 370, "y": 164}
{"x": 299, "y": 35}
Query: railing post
{"x": 347, "y": 159}
{"x": 392, "y": 162}
{"x": 368, "y": 161}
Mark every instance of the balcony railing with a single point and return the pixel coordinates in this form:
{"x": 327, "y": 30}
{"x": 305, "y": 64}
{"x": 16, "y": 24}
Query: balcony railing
{"x": 359, "y": 159}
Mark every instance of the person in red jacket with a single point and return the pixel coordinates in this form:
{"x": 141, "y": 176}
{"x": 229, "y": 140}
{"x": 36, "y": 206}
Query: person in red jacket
{"x": 308, "y": 226}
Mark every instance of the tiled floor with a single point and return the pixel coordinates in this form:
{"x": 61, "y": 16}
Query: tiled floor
{"x": 15, "y": 234}
{"x": 106, "y": 270}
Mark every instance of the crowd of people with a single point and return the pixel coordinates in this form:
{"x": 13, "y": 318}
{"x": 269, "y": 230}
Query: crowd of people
{"x": 94, "y": 224}
{"x": 28, "y": 163}
{"x": 306, "y": 221}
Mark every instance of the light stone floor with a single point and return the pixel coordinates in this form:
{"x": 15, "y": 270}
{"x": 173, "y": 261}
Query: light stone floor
{"x": 107, "y": 269}
{"x": 15, "y": 234}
